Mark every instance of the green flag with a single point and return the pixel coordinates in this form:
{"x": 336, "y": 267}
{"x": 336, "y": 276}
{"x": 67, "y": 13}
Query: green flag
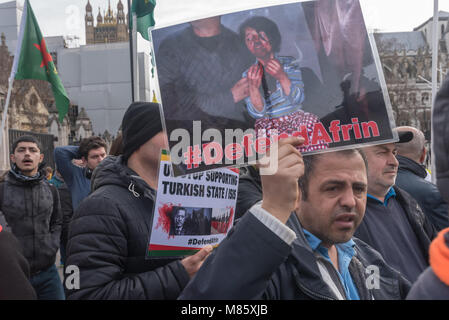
{"x": 32, "y": 60}
{"x": 144, "y": 12}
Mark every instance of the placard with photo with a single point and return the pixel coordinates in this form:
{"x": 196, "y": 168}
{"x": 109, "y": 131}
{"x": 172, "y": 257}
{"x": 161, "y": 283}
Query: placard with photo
{"x": 231, "y": 83}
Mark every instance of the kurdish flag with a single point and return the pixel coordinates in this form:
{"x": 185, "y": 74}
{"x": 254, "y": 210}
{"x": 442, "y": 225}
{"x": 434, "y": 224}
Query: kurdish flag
{"x": 32, "y": 60}
{"x": 144, "y": 13}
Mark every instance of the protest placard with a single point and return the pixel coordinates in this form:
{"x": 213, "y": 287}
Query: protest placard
{"x": 191, "y": 211}
{"x": 228, "y": 83}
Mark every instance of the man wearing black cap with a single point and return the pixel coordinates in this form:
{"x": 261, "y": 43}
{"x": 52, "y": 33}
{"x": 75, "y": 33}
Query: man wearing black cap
{"x": 394, "y": 224}
{"x": 109, "y": 232}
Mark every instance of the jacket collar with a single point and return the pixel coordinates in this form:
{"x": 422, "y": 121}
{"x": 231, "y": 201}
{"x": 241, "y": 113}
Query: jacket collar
{"x": 113, "y": 171}
{"x": 306, "y": 273}
{"x": 391, "y": 194}
{"x": 408, "y": 164}
{"x": 17, "y": 176}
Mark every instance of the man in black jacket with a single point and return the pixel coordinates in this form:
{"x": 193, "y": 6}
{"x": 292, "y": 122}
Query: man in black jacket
{"x": 65, "y": 198}
{"x": 306, "y": 240}
{"x": 394, "y": 224}
{"x": 440, "y": 122}
{"x": 109, "y": 232}
{"x": 32, "y": 210}
{"x": 411, "y": 178}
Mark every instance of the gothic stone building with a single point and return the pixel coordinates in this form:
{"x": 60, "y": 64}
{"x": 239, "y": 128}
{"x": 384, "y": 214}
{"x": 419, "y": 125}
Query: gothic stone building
{"x": 110, "y": 27}
{"x": 32, "y": 107}
{"x": 407, "y": 60}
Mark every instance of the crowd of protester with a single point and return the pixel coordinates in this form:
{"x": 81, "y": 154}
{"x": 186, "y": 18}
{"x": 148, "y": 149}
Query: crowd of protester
{"x": 321, "y": 222}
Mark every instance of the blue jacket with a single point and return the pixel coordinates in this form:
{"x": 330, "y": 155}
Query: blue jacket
{"x": 237, "y": 269}
{"x": 74, "y": 176}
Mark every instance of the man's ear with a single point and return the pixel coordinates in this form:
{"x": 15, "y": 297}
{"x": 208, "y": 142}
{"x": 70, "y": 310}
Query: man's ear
{"x": 298, "y": 201}
{"x": 41, "y": 158}
{"x": 84, "y": 160}
{"x": 12, "y": 158}
{"x": 423, "y": 155}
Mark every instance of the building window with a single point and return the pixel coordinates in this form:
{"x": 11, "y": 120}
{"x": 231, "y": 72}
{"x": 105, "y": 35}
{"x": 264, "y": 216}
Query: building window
{"x": 425, "y": 98}
{"x": 412, "y": 98}
{"x": 33, "y": 100}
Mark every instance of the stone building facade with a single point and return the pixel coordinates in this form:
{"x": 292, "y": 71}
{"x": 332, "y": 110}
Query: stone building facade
{"x": 32, "y": 108}
{"x": 110, "y": 27}
{"x": 406, "y": 59}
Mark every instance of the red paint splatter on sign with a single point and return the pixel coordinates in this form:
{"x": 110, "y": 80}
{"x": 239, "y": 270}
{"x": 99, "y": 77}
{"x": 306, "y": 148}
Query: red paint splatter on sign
{"x": 164, "y": 220}
{"x": 229, "y": 222}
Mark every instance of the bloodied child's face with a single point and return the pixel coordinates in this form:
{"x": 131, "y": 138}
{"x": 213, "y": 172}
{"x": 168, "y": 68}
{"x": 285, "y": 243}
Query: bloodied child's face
{"x": 258, "y": 43}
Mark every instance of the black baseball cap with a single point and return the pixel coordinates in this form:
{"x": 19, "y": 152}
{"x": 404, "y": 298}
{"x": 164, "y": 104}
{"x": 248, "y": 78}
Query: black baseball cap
{"x": 404, "y": 136}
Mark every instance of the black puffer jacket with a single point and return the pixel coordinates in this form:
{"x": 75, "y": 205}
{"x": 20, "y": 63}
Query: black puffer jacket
{"x": 108, "y": 238}
{"x": 411, "y": 178}
{"x": 33, "y": 213}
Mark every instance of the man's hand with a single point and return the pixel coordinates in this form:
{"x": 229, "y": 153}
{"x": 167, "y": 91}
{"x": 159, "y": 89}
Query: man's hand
{"x": 240, "y": 90}
{"x": 281, "y": 190}
{"x": 193, "y": 263}
{"x": 79, "y": 163}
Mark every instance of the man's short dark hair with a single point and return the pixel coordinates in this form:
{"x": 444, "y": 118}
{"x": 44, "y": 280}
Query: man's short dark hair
{"x": 266, "y": 25}
{"x": 90, "y": 143}
{"x": 26, "y": 138}
{"x": 311, "y": 160}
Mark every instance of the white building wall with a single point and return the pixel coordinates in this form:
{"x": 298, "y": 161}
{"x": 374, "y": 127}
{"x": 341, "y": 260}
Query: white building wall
{"x": 428, "y": 27}
{"x": 98, "y": 78}
{"x": 10, "y": 16}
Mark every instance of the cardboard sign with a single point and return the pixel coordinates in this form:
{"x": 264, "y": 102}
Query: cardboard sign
{"x": 191, "y": 211}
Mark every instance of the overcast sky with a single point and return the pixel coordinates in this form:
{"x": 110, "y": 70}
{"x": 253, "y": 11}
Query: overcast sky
{"x": 66, "y": 17}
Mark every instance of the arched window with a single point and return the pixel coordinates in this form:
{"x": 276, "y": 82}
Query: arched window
{"x": 425, "y": 98}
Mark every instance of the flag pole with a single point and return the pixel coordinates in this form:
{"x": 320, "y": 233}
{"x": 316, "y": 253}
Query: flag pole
{"x": 434, "y": 82}
{"x": 5, "y": 144}
{"x": 135, "y": 59}
{"x": 131, "y": 50}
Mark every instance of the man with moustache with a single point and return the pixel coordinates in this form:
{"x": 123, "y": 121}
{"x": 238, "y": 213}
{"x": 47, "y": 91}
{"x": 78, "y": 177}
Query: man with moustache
{"x": 394, "y": 223}
{"x": 304, "y": 232}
